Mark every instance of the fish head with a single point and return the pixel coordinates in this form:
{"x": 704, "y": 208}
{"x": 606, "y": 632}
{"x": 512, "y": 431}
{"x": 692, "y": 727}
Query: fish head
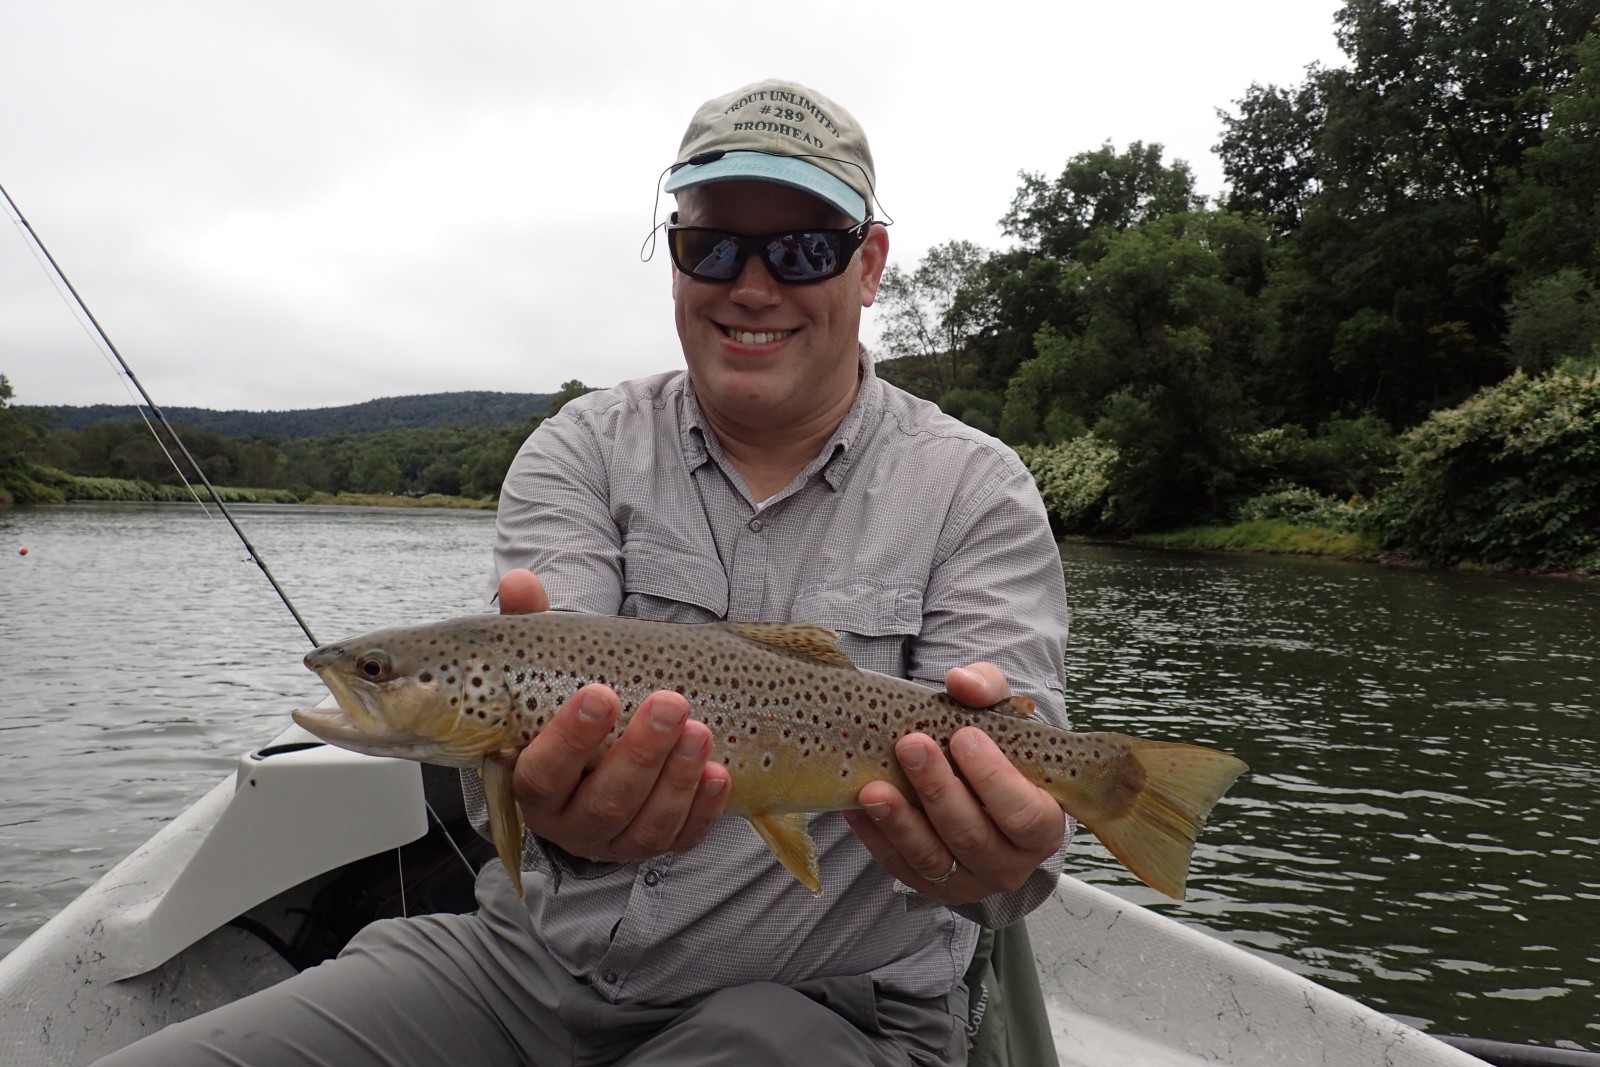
{"x": 420, "y": 693}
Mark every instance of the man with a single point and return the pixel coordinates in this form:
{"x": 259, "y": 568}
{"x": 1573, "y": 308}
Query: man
{"x": 775, "y": 478}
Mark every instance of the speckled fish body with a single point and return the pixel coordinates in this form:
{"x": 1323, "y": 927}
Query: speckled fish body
{"x": 799, "y": 727}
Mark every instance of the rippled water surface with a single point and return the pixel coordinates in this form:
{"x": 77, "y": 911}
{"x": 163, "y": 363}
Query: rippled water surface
{"x": 1421, "y": 827}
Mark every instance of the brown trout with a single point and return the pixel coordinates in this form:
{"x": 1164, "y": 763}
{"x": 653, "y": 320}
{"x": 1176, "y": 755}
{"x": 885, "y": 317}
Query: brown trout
{"x": 800, "y": 727}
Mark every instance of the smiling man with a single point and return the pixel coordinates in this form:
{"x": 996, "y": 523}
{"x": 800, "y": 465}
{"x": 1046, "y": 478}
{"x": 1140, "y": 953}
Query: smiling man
{"x": 774, "y": 478}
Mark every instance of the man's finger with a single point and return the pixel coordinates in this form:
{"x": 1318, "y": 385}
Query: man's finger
{"x": 979, "y": 685}
{"x": 1025, "y": 814}
{"x": 521, "y": 593}
{"x": 550, "y": 767}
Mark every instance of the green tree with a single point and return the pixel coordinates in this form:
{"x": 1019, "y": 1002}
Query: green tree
{"x": 1097, "y": 194}
{"x": 1268, "y": 152}
{"x": 1553, "y": 207}
{"x": 1389, "y": 295}
{"x": 927, "y": 323}
{"x": 1158, "y": 371}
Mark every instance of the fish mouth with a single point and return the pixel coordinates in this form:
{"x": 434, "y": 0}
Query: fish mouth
{"x": 336, "y": 727}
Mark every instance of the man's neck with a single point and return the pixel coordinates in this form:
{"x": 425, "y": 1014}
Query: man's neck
{"x": 769, "y": 457}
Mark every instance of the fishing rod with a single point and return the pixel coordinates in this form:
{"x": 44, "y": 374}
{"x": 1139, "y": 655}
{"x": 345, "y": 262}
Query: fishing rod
{"x": 216, "y": 498}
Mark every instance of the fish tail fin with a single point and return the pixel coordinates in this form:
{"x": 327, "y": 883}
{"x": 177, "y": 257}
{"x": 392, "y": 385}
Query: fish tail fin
{"x": 1166, "y": 794}
{"x": 505, "y": 818}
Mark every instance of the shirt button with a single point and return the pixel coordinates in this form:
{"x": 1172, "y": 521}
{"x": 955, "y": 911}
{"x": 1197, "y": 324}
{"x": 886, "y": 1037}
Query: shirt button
{"x": 609, "y": 978}
{"x": 652, "y": 877}
{"x": 755, "y": 525}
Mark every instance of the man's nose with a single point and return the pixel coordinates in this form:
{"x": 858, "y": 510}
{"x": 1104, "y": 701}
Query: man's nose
{"x": 755, "y": 286}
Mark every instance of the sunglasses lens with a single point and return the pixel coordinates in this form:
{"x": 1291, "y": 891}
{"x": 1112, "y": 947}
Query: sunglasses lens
{"x": 711, "y": 255}
{"x": 804, "y": 256}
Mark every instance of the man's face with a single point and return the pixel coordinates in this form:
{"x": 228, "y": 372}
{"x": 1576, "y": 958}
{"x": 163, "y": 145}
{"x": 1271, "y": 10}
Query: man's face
{"x": 764, "y": 355}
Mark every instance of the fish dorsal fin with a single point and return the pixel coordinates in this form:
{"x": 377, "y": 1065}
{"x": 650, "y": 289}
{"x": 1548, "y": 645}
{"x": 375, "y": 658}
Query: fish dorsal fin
{"x": 1017, "y": 707}
{"x": 799, "y": 640}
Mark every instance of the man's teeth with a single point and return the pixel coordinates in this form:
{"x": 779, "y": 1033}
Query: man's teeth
{"x": 751, "y": 337}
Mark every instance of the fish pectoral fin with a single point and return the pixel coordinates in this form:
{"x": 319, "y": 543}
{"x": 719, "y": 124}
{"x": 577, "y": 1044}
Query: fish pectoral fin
{"x": 505, "y": 818}
{"x": 787, "y": 837}
{"x": 1021, "y": 707}
{"x": 799, "y": 640}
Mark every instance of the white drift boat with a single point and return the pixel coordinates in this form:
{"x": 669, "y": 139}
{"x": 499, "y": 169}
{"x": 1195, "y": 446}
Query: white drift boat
{"x": 278, "y": 865}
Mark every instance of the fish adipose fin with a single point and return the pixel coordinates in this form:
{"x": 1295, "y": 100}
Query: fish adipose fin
{"x": 1153, "y": 833}
{"x": 788, "y": 839}
{"x": 799, "y": 640}
{"x": 505, "y": 818}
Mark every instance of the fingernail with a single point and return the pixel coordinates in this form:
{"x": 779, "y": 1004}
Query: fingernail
{"x": 714, "y": 787}
{"x": 970, "y": 677}
{"x": 594, "y": 708}
{"x": 966, "y": 742}
{"x": 876, "y": 812}
{"x": 915, "y": 758}
{"x": 667, "y": 715}
{"x": 691, "y": 746}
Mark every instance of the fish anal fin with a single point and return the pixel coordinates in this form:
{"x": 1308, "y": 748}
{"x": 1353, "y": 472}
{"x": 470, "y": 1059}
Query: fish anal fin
{"x": 787, "y": 837}
{"x": 1168, "y": 796}
{"x": 505, "y": 818}
{"x": 800, "y": 640}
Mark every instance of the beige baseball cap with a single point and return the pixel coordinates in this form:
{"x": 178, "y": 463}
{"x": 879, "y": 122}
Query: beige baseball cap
{"x": 779, "y": 131}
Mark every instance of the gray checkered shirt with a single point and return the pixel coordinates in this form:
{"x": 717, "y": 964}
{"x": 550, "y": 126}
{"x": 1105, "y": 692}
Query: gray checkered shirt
{"x": 922, "y": 541}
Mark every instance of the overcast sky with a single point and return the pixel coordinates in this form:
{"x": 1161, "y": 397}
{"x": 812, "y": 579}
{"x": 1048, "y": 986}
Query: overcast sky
{"x": 303, "y": 203}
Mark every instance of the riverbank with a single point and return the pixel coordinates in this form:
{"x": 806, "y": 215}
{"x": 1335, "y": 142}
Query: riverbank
{"x": 45, "y": 485}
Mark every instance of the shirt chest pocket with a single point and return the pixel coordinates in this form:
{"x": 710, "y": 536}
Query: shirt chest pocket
{"x": 667, "y": 580}
{"x": 875, "y": 620}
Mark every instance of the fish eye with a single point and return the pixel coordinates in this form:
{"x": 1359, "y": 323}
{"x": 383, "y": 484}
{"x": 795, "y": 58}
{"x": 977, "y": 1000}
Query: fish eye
{"x": 374, "y": 665}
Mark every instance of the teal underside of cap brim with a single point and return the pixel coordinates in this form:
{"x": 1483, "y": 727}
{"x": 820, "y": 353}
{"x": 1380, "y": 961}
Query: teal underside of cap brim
{"x": 786, "y": 170}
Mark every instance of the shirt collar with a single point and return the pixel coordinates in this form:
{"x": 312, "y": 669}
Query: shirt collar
{"x": 700, "y": 445}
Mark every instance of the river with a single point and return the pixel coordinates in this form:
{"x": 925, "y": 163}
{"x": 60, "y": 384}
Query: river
{"x": 1420, "y": 828}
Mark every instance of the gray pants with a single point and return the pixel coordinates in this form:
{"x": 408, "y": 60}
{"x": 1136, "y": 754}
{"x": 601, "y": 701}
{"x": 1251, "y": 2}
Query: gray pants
{"x": 446, "y": 990}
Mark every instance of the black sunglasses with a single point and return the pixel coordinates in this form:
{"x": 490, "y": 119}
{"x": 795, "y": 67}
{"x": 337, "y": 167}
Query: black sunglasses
{"x": 794, "y": 257}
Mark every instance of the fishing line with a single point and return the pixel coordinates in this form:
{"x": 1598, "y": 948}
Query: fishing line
{"x": 56, "y": 272}
{"x": 216, "y": 498}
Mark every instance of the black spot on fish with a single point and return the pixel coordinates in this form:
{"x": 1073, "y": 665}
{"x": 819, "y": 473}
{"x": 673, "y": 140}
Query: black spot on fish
{"x": 425, "y": 677}
{"x": 477, "y": 682}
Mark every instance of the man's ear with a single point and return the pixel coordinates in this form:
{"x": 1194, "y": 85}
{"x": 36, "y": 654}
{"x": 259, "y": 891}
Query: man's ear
{"x": 874, "y": 257}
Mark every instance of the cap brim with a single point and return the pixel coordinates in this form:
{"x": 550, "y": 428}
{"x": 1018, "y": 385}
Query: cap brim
{"x": 785, "y": 170}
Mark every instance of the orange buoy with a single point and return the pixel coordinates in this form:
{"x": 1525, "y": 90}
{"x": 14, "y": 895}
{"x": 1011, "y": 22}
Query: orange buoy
{"x": 23, "y": 551}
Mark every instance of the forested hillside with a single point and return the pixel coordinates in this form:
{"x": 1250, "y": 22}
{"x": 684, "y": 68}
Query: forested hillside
{"x": 428, "y": 411}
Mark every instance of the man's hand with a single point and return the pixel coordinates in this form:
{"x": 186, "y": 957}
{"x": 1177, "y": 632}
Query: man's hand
{"x": 651, "y": 792}
{"x": 972, "y": 838}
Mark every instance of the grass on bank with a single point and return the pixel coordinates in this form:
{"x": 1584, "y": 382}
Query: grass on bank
{"x": 383, "y": 500}
{"x": 1268, "y": 535}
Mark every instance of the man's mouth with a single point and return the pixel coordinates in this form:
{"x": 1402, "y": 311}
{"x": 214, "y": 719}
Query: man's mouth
{"x": 756, "y": 337}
